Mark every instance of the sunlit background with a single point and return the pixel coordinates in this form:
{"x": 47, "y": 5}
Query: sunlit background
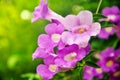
{"x": 18, "y": 36}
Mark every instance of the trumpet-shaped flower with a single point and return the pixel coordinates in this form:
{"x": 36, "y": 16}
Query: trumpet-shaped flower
{"x": 106, "y": 32}
{"x": 47, "y": 42}
{"x": 90, "y": 72}
{"x": 69, "y": 56}
{"x": 80, "y": 28}
{"x": 108, "y": 60}
{"x": 41, "y": 53}
{"x": 43, "y": 12}
{"x": 112, "y": 14}
{"x": 53, "y": 36}
{"x": 48, "y": 69}
{"x": 116, "y": 74}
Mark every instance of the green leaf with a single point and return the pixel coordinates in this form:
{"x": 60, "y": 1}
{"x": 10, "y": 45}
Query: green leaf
{"x": 99, "y": 16}
{"x": 81, "y": 73}
{"x": 89, "y": 63}
{"x": 106, "y": 24}
{"x": 106, "y": 76}
{"x": 96, "y": 17}
{"x": 55, "y": 49}
{"x": 31, "y": 76}
{"x": 89, "y": 55}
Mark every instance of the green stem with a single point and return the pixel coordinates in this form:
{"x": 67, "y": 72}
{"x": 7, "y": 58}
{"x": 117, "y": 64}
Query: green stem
{"x": 81, "y": 73}
{"x": 115, "y": 43}
{"x": 98, "y": 6}
{"x": 80, "y": 67}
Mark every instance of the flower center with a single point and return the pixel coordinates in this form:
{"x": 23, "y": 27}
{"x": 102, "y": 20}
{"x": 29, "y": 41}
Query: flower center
{"x": 99, "y": 70}
{"x": 52, "y": 67}
{"x": 56, "y": 37}
{"x": 89, "y": 72}
{"x": 111, "y": 17}
{"x": 116, "y": 74}
{"x": 70, "y": 57}
{"x": 81, "y": 30}
{"x": 109, "y": 63}
{"x": 108, "y": 29}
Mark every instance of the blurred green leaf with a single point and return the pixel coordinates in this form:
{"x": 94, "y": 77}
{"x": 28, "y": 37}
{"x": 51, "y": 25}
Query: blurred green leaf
{"x": 81, "y": 73}
{"x": 106, "y": 24}
{"x": 31, "y": 76}
{"x": 96, "y": 17}
{"x": 89, "y": 63}
{"x": 88, "y": 55}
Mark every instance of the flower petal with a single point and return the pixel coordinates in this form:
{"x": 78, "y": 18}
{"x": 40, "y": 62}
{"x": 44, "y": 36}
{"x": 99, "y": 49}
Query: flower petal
{"x": 67, "y": 38}
{"x": 39, "y": 53}
{"x": 95, "y": 29}
{"x": 43, "y": 12}
{"x": 82, "y": 40}
{"x": 79, "y": 39}
{"x": 44, "y": 41}
{"x": 54, "y": 28}
{"x": 110, "y": 10}
{"x": 81, "y": 54}
{"x": 40, "y": 11}
{"x": 106, "y": 32}
{"x": 70, "y": 22}
{"x": 115, "y": 10}
{"x": 106, "y": 11}
{"x": 85, "y": 17}
{"x": 49, "y": 60}
{"x": 44, "y": 72}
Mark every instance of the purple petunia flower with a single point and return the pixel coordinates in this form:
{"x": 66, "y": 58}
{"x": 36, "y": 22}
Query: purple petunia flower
{"x": 49, "y": 69}
{"x": 116, "y": 74}
{"x": 47, "y": 42}
{"x": 80, "y": 28}
{"x": 108, "y": 60}
{"x": 41, "y": 53}
{"x": 43, "y": 12}
{"x": 54, "y": 31}
{"x": 69, "y": 56}
{"x": 112, "y": 14}
{"x": 45, "y": 47}
{"x": 90, "y": 72}
{"x": 106, "y": 32}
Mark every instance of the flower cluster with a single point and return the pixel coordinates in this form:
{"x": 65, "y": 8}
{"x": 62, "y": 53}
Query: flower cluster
{"x": 66, "y": 41}
{"x": 113, "y": 15}
{"x": 109, "y": 60}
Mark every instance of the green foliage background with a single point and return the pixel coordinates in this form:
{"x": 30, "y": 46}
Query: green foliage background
{"x": 18, "y": 37}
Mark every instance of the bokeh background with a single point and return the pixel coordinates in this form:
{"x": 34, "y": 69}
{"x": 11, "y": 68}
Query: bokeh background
{"x": 18, "y": 36}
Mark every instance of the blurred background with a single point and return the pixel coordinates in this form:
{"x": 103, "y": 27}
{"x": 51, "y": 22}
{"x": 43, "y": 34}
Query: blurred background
{"x": 18, "y": 36}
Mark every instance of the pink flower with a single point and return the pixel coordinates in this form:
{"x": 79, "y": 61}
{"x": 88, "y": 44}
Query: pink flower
{"x": 48, "y": 69}
{"x": 80, "y": 28}
{"x": 108, "y": 60}
{"x": 112, "y": 14}
{"x": 47, "y": 42}
{"x": 106, "y": 32}
{"x": 43, "y": 12}
{"x": 70, "y": 55}
{"x": 90, "y": 72}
